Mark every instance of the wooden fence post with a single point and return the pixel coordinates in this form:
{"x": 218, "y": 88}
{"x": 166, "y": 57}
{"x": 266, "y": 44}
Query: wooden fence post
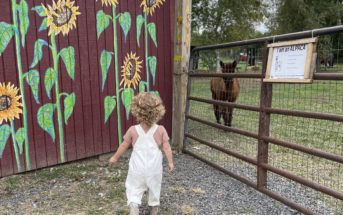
{"x": 182, "y": 44}
{"x": 263, "y": 146}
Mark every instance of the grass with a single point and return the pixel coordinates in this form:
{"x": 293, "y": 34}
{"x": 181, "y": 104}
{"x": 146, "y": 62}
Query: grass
{"x": 117, "y": 194}
{"x": 11, "y": 183}
{"x": 320, "y": 96}
{"x": 85, "y": 187}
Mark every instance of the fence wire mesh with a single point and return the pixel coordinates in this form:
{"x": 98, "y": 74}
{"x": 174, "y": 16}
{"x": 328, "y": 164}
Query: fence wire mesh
{"x": 321, "y": 96}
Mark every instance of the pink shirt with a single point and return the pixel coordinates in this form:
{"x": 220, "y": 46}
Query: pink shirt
{"x": 161, "y": 136}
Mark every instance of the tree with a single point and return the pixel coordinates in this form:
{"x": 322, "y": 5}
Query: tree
{"x": 300, "y": 15}
{"x": 218, "y": 21}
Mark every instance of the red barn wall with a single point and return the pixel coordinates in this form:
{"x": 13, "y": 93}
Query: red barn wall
{"x": 86, "y": 133}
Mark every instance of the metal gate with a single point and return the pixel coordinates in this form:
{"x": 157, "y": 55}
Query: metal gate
{"x": 286, "y": 140}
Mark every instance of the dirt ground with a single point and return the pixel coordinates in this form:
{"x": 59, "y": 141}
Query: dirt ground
{"x": 90, "y": 187}
{"x": 83, "y": 187}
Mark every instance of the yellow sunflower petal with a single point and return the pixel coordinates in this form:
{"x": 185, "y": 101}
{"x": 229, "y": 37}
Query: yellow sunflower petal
{"x": 149, "y": 7}
{"x": 130, "y": 70}
{"x": 62, "y": 16}
{"x": 9, "y": 102}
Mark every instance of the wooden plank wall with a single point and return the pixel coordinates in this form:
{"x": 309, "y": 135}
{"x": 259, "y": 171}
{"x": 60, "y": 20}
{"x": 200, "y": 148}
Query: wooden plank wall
{"x": 86, "y": 134}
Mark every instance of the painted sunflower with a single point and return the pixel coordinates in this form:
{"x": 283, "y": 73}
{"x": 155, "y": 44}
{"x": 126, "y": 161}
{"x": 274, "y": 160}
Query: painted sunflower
{"x": 149, "y": 6}
{"x": 61, "y": 16}
{"x": 9, "y": 102}
{"x": 109, "y": 2}
{"x": 130, "y": 70}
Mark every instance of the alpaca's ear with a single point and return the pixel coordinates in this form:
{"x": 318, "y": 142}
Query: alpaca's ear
{"x": 234, "y": 64}
{"x": 221, "y": 64}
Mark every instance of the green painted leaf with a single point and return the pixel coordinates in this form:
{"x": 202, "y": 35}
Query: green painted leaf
{"x": 156, "y": 93}
{"x": 23, "y": 10}
{"x": 39, "y": 10}
{"x": 152, "y": 67}
{"x": 38, "y": 52}
{"x": 20, "y": 138}
{"x": 49, "y": 80}
{"x": 126, "y": 96}
{"x": 139, "y": 24}
{"x": 110, "y": 104}
{"x": 105, "y": 62}
{"x": 125, "y": 22}
{"x": 32, "y": 79}
{"x": 69, "y": 103}
{"x": 44, "y": 25}
{"x": 68, "y": 57}
{"x": 142, "y": 86}
{"x": 45, "y": 117}
{"x": 5, "y": 132}
{"x": 102, "y": 22}
{"x": 6, "y": 34}
{"x": 152, "y": 32}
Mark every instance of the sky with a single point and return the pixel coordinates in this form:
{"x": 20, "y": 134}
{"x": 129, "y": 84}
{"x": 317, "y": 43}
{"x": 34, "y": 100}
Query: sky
{"x": 261, "y": 27}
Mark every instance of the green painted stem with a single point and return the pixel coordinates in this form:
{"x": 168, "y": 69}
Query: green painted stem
{"x": 146, "y": 51}
{"x": 115, "y": 42}
{"x": 57, "y": 92}
{"x": 63, "y": 94}
{"x": 15, "y": 146}
{"x": 21, "y": 83}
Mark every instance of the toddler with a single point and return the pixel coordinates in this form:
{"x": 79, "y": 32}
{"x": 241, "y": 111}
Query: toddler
{"x": 145, "y": 165}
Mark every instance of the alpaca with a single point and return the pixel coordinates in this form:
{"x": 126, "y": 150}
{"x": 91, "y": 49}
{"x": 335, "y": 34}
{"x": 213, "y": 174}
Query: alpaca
{"x": 225, "y": 89}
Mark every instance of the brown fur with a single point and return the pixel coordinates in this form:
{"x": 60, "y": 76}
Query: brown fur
{"x": 225, "y": 89}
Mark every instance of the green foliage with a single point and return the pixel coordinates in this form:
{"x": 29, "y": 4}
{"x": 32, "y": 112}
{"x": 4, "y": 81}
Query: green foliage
{"x": 68, "y": 57}
{"x": 5, "y": 132}
{"x": 6, "y": 34}
{"x": 45, "y": 118}
{"x": 110, "y": 104}
{"x": 69, "y": 104}
{"x": 105, "y": 63}
{"x": 32, "y": 79}
{"x": 49, "y": 80}
{"x": 38, "y": 52}
{"x": 102, "y": 22}
{"x": 139, "y": 24}
{"x": 24, "y": 19}
{"x": 152, "y": 32}
{"x": 152, "y": 66}
{"x": 126, "y": 96}
{"x": 225, "y": 20}
{"x": 294, "y": 15}
{"x": 20, "y": 138}
{"x": 125, "y": 22}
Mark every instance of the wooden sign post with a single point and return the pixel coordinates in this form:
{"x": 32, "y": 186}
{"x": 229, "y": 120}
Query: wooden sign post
{"x": 182, "y": 44}
{"x": 291, "y": 61}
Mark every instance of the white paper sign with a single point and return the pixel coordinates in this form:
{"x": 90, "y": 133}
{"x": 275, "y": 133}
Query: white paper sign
{"x": 289, "y": 62}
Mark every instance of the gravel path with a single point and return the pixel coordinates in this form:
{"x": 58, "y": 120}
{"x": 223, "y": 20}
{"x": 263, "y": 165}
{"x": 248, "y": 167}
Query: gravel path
{"x": 89, "y": 187}
{"x": 196, "y": 188}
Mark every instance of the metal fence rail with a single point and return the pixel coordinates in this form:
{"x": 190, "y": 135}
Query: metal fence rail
{"x": 283, "y": 135}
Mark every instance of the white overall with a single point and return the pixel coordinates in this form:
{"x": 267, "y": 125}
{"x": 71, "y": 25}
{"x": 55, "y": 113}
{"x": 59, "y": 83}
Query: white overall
{"x": 145, "y": 168}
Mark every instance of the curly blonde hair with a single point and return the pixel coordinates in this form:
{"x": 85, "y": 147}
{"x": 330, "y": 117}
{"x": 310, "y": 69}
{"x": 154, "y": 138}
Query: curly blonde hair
{"x": 147, "y": 108}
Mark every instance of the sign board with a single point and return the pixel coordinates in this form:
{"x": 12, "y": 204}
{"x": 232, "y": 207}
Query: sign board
{"x": 291, "y": 61}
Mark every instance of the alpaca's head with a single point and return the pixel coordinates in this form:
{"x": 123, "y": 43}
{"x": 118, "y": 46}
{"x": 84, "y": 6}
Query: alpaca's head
{"x": 228, "y": 68}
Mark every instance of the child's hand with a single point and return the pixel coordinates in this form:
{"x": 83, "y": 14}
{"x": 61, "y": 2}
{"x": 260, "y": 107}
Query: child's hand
{"x": 171, "y": 167}
{"x": 112, "y": 161}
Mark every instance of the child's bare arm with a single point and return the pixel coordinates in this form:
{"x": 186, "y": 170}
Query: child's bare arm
{"x": 121, "y": 150}
{"x": 169, "y": 155}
